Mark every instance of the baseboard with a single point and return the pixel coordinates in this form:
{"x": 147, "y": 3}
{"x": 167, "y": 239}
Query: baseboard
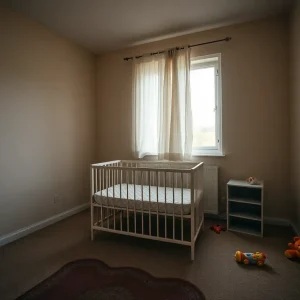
{"x": 211, "y": 215}
{"x": 267, "y": 220}
{"x": 8, "y": 238}
{"x": 281, "y": 222}
{"x": 297, "y": 232}
{"x": 211, "y": 212}
{"x": 277, "y": 221}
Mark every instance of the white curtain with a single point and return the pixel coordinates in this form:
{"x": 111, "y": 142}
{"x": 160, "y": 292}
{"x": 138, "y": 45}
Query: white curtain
{"x": 162, "y": 116}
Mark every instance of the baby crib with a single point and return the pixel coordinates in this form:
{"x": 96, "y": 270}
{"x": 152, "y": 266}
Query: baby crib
{"x": 158, "y": 200}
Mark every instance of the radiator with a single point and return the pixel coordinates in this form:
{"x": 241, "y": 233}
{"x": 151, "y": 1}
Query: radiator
{"x": 211, "y": 202}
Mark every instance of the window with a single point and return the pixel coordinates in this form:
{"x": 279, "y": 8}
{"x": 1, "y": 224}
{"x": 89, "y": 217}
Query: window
{"x": 158, "y": 117}
{"x": 205, "y": 81}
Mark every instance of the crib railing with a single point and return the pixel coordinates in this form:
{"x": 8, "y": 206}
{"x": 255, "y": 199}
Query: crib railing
{"x": 151, "y": 219}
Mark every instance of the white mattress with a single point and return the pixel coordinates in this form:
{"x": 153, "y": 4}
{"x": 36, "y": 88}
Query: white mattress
{"x": 106, "y": 197}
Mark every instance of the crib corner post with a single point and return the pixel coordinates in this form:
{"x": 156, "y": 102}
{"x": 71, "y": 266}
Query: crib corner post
{"x": 92, "y": 234}
{"x": 91, "y": 198}
{"x": 192, "y": 251}
{"x": 192, "y": 217}
{"x": 201, "y": 180}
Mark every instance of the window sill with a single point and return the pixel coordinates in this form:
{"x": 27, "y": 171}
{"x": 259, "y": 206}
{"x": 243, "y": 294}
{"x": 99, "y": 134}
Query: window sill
{"x": 216, "y": 154}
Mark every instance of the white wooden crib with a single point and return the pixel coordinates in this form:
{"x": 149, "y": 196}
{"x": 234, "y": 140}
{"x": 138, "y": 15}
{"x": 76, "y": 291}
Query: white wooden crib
{"x": 154, "y": 200}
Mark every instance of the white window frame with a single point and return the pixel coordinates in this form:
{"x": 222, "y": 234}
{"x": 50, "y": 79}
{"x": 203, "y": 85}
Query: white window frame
{"x": 217, "y": 150}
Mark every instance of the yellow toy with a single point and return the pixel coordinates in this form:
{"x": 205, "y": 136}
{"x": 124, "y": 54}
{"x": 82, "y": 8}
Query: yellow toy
{"x": 257, "y": 258}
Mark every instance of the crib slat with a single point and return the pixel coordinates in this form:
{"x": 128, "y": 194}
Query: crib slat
{"x": 92, "y": 195}
{"x": 149, "y": 179}
{"x": 187, "y": 180}
{"x": 142, "y": 185}
{"x": 173, "y": 207}
{"x": 157, "y": 214}
{"x": 127, "y": 178}
{"x": 98, "y": 171}
{"x": 181, "y": 206}
{"x": 102, "y": 180}
{"x": 114, "y": 211}
{"x": 108, "y": 177}
{"x": 165, "y": 204}
{"x": 159, "y": 183}
{"x": 134, "y": 192}
{"x": 107, "y": 186}
{"x": 117, "y": 173}
{"x": 121, "y": 218}
{"x": 96, "y": 190}
{"x": 95, "y": 181}
{"x": 192, "y": 215}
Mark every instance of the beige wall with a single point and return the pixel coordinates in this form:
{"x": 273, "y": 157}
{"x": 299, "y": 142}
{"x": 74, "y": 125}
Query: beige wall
{"x": 255, "y": 104}
{"x": 295, "y": 111}
{"x": 47, "y": 116}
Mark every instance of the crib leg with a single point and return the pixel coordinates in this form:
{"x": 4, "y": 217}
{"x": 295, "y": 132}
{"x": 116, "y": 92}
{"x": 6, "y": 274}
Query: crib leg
{"x": 92, "y": 223}
{"x": 193, "y": 251}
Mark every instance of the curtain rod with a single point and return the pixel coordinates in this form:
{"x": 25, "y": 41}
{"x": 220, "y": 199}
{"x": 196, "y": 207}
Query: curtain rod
{"x": 227, "y": 39}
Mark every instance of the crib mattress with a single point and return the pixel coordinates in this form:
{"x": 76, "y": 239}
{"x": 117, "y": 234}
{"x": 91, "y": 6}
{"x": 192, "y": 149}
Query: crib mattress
{"x": 119, "y": 200}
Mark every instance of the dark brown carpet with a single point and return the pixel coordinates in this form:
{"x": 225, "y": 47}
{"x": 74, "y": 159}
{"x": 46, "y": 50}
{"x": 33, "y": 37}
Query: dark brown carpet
{"x": 28, "y": 261}
{"x": 91, "y": 279}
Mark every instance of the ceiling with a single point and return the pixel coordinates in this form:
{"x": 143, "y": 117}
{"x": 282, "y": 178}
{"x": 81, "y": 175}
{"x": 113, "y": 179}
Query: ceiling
{"x": 103, "y": 25}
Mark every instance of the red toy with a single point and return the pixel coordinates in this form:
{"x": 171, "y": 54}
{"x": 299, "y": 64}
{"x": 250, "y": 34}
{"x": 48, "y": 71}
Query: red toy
{"x": 294, "y": 251}
{"x": 218, "y": 228}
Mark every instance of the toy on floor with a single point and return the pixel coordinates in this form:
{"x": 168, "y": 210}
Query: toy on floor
{"x": 218, "y": 228}
{"x": 257, "y": 258}
{"x": 294, "y": 251}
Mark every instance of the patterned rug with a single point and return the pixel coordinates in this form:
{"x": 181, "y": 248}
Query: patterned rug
{"x": 91, "y": 279}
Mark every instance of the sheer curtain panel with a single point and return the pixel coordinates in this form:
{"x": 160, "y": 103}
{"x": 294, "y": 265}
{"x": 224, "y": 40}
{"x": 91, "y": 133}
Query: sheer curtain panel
{"x": 162, "y": 116}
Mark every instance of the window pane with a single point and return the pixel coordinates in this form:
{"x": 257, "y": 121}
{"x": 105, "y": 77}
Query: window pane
{"x": 203, "y": 107}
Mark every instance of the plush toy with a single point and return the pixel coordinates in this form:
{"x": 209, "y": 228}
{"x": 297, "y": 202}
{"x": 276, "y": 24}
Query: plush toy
{"x": 257, "y": 258}
{"x": 294, "y": 251}
{"x": 218, "y": 228}
{"x": 252, "y": 180}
